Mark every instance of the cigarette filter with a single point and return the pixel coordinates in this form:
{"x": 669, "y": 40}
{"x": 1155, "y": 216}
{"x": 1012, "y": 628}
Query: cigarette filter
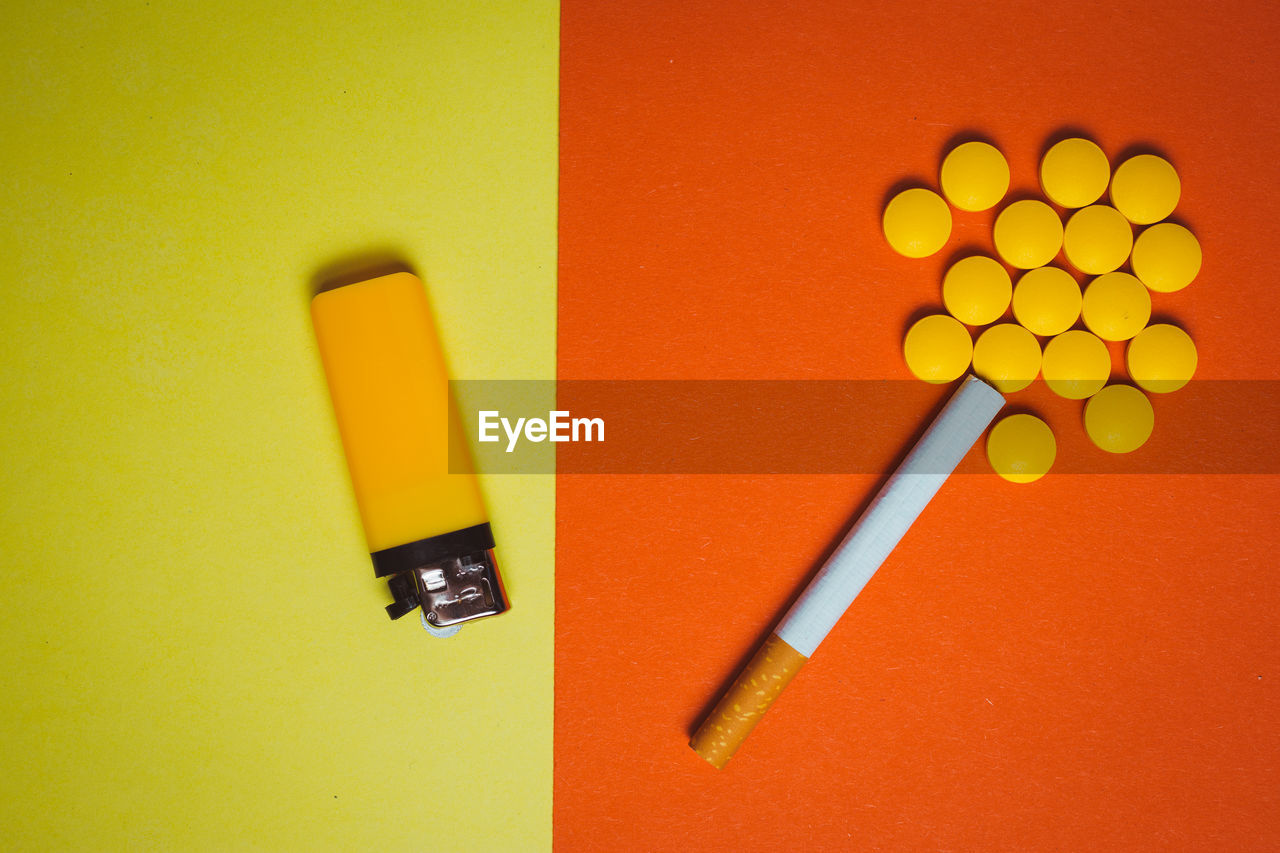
{"x": 423, "y": 517}
{"x": 794, "y": 640}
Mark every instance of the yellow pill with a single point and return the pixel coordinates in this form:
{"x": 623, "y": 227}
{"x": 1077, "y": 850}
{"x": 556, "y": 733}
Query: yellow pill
{"x": 1119, "y": 418}
{"x": 1145, "y": 188}
{"x": 917, "y": 223}
{"x": 1028, "y": 234}
{"x": 1076, "y": 364}
{"x": 975, "y": 176}
{"x": 1161, "y": 358}
{"x": 1166, "y": 257}
{"x": 976, "y": 290}
{"x": 1047, "y": 301}
{"x": 1074, "y": 172}
{"x": 1021, "y": 448}
{"x": 1116, "y": 306}
{"x": 1097, "y": 239}
{"x": 1007, "y": 356}
{"x": 938, "y": 348}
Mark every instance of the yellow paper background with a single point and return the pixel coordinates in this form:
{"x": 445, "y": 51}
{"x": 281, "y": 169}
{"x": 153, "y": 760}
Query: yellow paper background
{"x": 194, "y": 650}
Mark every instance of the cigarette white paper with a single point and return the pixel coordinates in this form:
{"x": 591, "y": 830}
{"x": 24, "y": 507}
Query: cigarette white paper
{"x": 960, "y": 423}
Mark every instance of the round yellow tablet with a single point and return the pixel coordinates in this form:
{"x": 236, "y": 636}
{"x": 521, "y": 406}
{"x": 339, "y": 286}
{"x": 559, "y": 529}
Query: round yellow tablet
{"x": 1166, "y": 257}
{"x": 1076, "y": 364}
{"x": 975, "y": 176}
{"x": 1161, "y": 358}
{"x": 1021, "y": 448}
{"x": 1007, "y": 356}
{"x": 1074, "y": 172}
{"x": 1028, "y": 234}
{"x": 976, "y": 290}
{"x": 938, "y": 348}
{"x": 1145, "y": 188}
{"x": 917, "y": 223}
{"x": 1097, "y": 239}
{"x": 1046, "y": 301}
{"x": 1116, "y": 306}
{"x": 1119, "y": 418}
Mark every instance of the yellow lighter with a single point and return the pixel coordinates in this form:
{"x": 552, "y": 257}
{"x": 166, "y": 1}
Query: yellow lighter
{"x": 423, "y": 517}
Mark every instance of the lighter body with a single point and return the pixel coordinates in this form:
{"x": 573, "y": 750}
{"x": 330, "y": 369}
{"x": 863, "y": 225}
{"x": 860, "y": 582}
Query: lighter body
{"x": 417, "y": 494}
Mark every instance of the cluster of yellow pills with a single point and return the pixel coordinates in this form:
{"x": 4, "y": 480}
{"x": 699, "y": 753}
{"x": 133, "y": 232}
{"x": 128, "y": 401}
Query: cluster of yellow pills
{"x": 1046, "y": 302}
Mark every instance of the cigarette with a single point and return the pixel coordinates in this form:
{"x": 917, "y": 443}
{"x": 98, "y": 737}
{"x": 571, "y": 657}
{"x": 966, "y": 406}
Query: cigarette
{"x": 875, "y": 534}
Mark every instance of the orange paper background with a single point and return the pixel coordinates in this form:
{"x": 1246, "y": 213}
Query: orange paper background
{"x": 1088, "y": 661}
